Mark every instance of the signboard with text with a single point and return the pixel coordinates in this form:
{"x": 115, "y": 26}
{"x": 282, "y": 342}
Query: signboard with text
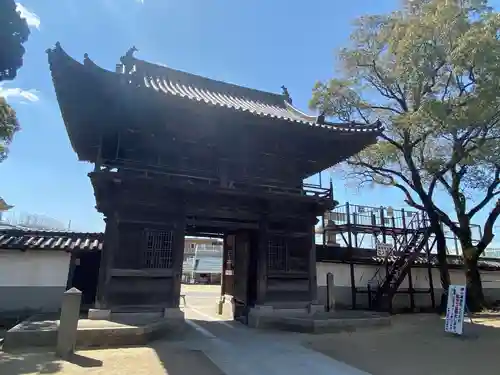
{"x": 383, "y": 249}
{"x": 455, "y": 310}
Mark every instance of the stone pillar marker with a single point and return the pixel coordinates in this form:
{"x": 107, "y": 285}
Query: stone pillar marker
{"x": 68, "y": 324}
{"x": 330, "y": 297}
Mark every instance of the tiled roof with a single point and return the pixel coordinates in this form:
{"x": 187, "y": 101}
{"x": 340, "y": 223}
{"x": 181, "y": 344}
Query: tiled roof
{"x": 452, "y": 260}
{"x": 284, "y": 111}
{"x": 49, "y": 240}
{"x": 201, "y": 89}
{"x": 368, "y": 256}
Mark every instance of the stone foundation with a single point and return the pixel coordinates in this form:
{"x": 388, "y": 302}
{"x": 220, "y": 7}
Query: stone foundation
{"x": 307, "y": 321}
{"x": 123, "y": 329}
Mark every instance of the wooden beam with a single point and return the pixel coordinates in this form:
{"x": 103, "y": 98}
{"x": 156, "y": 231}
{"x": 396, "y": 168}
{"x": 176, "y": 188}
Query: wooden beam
{"x": 152, "y": 273}
{"x": 313, "y": 282}
{"x": 262, "y": 259}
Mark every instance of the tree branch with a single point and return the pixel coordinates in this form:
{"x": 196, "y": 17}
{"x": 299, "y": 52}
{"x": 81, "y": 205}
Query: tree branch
{"x": 391, "y": 141}
{"x": 427, "y": 201}
{"x": 488, "y": 230}
{"x": 409, "y": 199}
{"x": 384, "y": 172}
{"x": 386, "y": 108}
{"x": 490, "y": 193}
{"x": 389, "y": 92}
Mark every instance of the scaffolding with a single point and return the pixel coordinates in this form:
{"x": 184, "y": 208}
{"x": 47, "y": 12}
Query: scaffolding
{"x": 397, "y": 237}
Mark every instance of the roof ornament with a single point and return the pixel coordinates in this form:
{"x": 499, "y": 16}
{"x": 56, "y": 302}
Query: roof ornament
{"x": 86, "y": 59}
{"x": 57, "y": 48}
{"x": 286, "y": 94}
{"x": 321, "y": 118}
{"x": 4, "y": 206}
{"x": 128, "y": 60}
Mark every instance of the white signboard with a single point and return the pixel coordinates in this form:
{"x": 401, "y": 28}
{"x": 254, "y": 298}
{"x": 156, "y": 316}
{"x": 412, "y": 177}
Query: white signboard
{"x": 455, "y": 309}
{"x": 383, "y": 249}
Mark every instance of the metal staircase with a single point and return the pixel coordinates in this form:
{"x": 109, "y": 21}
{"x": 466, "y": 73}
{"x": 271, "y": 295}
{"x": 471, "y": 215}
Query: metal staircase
{"x": 406, "y": 251}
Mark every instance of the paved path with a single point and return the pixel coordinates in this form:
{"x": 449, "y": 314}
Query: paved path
{"x": 231, "y": 346}
{"x": 238, "y": 350}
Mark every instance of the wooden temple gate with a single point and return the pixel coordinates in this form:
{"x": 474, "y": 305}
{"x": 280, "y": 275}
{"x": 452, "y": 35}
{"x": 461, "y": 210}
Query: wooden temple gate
{"x": 176, "y": 153}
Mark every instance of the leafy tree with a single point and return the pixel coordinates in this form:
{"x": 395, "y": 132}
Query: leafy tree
{"x": 8, "y": 127}
{"x": 430, "y": 72}
{"x": 14, "y": 31}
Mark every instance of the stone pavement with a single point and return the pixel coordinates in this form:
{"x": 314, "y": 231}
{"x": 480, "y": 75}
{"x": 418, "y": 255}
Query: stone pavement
{"x": 212, "y": 347}
{"x": 238, "y": 350}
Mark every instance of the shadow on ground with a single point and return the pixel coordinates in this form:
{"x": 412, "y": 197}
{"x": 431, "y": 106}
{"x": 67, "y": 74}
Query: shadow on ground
{"x": 181, "y": 361}
{"x": 415, "y": 345}
{"x": 36, "y": 362}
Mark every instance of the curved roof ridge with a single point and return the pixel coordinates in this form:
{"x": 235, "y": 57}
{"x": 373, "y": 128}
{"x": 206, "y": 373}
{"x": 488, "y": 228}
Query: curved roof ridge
{"x": 299, "y": 113}
{"x": 148, "y": 68}
{"x": 178, "y": 83}
{"x": 58, "y": 55}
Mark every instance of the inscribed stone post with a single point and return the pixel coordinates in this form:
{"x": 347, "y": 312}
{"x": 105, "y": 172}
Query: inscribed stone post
{"x": 70, "y": 312}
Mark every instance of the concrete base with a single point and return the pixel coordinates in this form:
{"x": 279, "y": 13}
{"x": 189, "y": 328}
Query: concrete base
{"x": 318, "y": 322}
{"x": 99, "y": 314}
{"x": 123, "y": 329}
{"x": 225, "y": 308}
{"x": 316, "y": 308}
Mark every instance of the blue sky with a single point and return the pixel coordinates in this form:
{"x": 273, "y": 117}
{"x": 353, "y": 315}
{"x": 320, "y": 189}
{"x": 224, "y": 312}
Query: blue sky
{"x": 261, "y": 44}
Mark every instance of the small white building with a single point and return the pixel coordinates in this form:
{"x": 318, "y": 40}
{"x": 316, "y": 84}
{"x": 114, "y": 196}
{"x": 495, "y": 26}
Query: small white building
{"x": 36, "y": 267}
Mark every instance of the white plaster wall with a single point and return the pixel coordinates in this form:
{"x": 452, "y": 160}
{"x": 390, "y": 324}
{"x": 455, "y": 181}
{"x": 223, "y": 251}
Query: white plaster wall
{"x": 420, "y": 276}
{"x": 35, "y": 268}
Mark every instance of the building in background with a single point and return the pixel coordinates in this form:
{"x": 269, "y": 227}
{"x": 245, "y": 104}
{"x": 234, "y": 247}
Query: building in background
{"x": 202, "y": 260}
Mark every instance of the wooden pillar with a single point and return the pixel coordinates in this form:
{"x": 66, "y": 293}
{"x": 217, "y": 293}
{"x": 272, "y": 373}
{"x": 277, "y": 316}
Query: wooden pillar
{"x": 109, "y": 247}
{"x": 177, "y": 258}
{"x": 330, "y": 296}
{"x": 313, "y": 285}
{"x": 223, "y": 284}
{"x": 228, "y": 266}
{"x": 262, "y": 259}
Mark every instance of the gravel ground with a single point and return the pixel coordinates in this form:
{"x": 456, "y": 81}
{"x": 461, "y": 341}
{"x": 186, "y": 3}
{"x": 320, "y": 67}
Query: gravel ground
{"x": 157, "y": 359}
{"x": 416, "y": 345}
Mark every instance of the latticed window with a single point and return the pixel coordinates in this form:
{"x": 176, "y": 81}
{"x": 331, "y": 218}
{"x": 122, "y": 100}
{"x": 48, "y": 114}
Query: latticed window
{"x": 157, "y": 251}
{"x": 277, "y": 254}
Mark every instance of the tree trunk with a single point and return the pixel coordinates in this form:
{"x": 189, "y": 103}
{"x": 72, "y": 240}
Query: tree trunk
{"x": 443, "y": 266}
{"x": 475, "y": 295}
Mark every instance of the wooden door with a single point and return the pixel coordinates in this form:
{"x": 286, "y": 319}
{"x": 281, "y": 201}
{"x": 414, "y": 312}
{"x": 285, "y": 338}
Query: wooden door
{"x": 241, "y": 263}
{"x": 228, "y": 265}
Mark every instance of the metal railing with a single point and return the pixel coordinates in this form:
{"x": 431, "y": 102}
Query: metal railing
{"x": 347, "y": 220}
{"x": 370, "y": 216}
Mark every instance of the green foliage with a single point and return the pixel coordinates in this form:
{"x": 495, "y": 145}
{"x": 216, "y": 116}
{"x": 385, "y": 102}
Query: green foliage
{"x": 430, "y": 72}
{"x": 8, "y": 127}
{"x": 14, "y": 32}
